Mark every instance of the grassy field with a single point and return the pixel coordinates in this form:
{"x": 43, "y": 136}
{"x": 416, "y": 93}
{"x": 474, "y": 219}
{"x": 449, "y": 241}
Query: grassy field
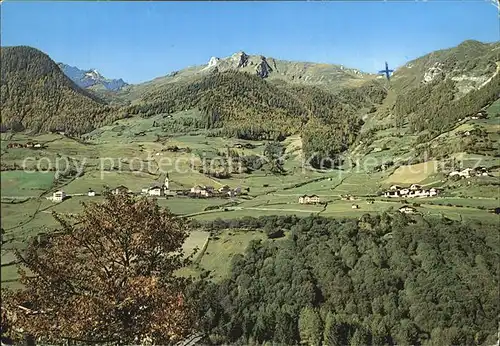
{"x": 220, "y": 251}
{"x": 19, "y": 183}
{"x": 412, "y": 174}
{"x": 195, "y": 241}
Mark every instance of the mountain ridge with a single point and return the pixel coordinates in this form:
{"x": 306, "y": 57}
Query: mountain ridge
{"x": 267, "y": 86}
{"x": 330, "y": 77}
{"x": 37, "y": 96}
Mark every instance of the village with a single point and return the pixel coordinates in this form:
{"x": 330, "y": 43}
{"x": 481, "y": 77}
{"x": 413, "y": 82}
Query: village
{"x": 29, "y": 145}
{"x": 469, "y": 173}
{"x": 159, "y": 190}
{"x": 314, "y": 199}
{"x": 413, "y": 190}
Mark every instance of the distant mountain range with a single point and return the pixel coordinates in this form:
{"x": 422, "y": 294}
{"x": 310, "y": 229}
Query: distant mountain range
{"x": 91, "y": 78}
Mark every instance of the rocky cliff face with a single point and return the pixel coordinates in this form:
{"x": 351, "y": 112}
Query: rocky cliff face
{"x": 263, "y": 69}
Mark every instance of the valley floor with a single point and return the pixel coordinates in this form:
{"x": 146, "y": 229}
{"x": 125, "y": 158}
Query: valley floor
{"x": 139, "y": 161}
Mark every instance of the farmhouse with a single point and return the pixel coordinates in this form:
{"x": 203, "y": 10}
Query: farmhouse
{"x": 433, "y": 191}
{"x": 407, "y": 210}
{"x": 391, "y": 193}
{"x": 120, "y": 189}
{"x": 355, "y": 206}
{"x": 58, "y": 196}
{"x": 415, "y": 187}
{"x": 91, "y": 193}
{"x": 155, "y": 190}
{"x": 204, "y": 191}
{"x": 305, "y": 199}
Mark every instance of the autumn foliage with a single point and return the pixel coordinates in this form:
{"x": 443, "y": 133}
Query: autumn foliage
{"x": 106, "y": 275}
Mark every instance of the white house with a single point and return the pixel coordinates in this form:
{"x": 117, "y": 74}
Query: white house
{"x": 415, "y": 187}
{"x": 205, "y": 191}
{"x": 433, "y": 192}
{"x": 121, "y": 189}
{"x": 91, "y": 193}
{"x": 197, "y": 189}
{"x": 391, "y": 194}
{"x": 305, "y": 199}
{"x": 404, "y": 192}
{"x": 466, "y": 173}
{"x": 155, "y": 190}
{"x": 407, "y": 210}
{"x": 395, "y": 187}
{"x": 58, "y": 196}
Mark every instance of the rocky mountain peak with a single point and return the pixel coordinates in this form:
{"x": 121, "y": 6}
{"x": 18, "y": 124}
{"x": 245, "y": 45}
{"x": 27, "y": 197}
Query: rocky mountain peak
{"x": 213, "y": 61}
{"x": 91, "y": 78}
{"x": 240, "y": 58}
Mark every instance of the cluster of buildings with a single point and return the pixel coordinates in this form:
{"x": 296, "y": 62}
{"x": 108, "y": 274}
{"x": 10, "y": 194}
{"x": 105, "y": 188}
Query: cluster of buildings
{"x": 483, "y": 114}
{"x": 347, "y": 197}
{"x": 25, "y": 145}
{"x": 210, "y": 191}
{"x": 305, "y": 199}
{"x": 414, "y": 190}
{"x": 470, "y": 172}
{"x": 156, "y": 189}
{"x": 60, "y": 195}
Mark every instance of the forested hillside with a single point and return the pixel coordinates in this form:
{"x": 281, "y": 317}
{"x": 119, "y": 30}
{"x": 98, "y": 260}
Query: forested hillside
{"x": 438, "y": 89}
{"x": 435, "y": 108}
{"x": 37, "y": 96}
{"x": 246, "y": 106}
{"x": 379, "y": 280}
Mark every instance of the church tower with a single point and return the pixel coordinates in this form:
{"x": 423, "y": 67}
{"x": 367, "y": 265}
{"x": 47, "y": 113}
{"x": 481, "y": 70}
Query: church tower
{"x": 166, "y": 182}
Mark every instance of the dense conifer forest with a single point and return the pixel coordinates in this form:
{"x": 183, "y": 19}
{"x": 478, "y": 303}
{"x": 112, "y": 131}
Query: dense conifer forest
{"x": 382, "y": 280}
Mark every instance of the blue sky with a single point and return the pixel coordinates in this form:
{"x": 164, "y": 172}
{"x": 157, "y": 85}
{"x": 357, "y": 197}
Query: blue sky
{"x": 139, "y": 41}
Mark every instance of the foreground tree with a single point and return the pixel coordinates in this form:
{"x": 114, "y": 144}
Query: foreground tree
{"x": 106, "y": 275}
